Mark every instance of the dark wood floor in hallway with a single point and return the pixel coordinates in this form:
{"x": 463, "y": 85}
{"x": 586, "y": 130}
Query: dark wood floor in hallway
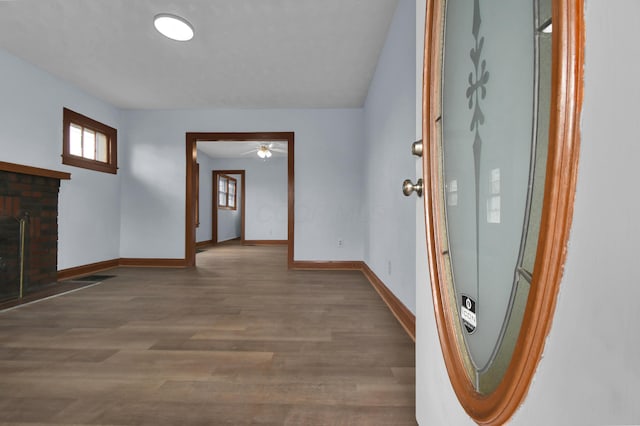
{"x": 237, "y": 340}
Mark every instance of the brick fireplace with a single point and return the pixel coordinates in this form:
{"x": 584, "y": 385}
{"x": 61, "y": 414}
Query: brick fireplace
{"x": 28, "y": 229}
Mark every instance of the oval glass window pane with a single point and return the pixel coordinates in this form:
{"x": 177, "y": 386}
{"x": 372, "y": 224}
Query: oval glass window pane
{"x": 487, "y": 110}
{"x": 542, "y": 120}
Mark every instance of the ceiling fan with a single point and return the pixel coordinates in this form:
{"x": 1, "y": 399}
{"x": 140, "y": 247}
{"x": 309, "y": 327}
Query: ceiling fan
{"x": 265, "y": 150}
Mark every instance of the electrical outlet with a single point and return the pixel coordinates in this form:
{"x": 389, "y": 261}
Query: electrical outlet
{"x": 389, "y": 267}
{"x": 340, "y": 243}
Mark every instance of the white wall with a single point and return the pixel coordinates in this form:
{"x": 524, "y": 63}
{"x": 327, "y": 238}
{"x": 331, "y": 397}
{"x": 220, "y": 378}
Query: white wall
{"x": 31, "y": 103}
{"x": 266, "y": 195}
{"x": 389, "y": 133}
{"x": 328, "y": 177}
{"x": 140, "y": 211}
{"x": 590, "y": 370}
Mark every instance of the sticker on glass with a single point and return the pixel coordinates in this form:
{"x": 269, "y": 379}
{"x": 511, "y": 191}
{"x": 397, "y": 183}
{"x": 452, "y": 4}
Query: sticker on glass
{"x": 468, "y": 314}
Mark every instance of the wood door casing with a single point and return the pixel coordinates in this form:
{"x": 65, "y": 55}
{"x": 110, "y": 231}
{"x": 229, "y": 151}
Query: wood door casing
{"x": 192, "y": 138}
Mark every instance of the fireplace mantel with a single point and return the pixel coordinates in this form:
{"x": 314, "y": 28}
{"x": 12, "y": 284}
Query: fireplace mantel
{"x": 28, "y": 229}
{"x": 33, "y": 171}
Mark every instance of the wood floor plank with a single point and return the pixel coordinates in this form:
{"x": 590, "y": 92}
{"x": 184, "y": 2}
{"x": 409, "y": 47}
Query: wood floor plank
{"x": 239, "y": 340}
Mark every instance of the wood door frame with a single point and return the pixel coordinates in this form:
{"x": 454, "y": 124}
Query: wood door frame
{"x": 192, "y": 138}
{"x": 214, "y": 202}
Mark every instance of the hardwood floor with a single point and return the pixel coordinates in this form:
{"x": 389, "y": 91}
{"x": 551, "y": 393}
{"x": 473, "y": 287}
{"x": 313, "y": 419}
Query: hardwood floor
{"x": 238, "y": 340}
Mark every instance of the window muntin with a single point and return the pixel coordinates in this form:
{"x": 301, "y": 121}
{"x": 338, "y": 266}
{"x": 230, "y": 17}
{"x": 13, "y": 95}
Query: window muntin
{"x": 222, "y": 191}
{"x": 227, "y": 188}
{"x": 88, "y": 143}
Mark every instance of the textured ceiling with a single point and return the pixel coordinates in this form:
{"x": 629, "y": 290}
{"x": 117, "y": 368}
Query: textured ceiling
{"x": 245, "y": 53}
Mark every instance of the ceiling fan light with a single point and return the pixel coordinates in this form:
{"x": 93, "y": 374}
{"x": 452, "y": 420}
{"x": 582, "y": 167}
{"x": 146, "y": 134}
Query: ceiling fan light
{"x": 173, "y": 27}
{"x": 264, "y": 152}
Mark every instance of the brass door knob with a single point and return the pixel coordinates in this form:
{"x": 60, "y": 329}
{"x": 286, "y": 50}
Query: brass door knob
{"x": 409, "y": 187}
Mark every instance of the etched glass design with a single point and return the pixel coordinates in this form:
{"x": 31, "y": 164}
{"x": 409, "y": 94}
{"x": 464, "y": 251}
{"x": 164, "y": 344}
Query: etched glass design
{"x": 494, "y": 155}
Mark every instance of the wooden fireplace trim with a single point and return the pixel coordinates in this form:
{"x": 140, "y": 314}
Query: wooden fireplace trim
{"x": 33, "y": 171}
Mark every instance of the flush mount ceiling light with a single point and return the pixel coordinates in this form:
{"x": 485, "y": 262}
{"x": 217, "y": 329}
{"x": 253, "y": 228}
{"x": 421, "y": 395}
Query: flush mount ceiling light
{"x": 173, "y": 27}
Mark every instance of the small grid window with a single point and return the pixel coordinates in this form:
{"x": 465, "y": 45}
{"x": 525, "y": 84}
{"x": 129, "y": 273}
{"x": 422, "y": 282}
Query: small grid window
{"x": 88, "y": 143}
{"x": 231, "y": 195}
{"x": 227, "y": 189}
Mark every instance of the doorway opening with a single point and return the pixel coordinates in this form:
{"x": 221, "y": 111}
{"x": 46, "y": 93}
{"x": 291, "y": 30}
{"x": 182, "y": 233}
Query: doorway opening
{"x": 222, "y": 212}
{"x": 192, "y": 140}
